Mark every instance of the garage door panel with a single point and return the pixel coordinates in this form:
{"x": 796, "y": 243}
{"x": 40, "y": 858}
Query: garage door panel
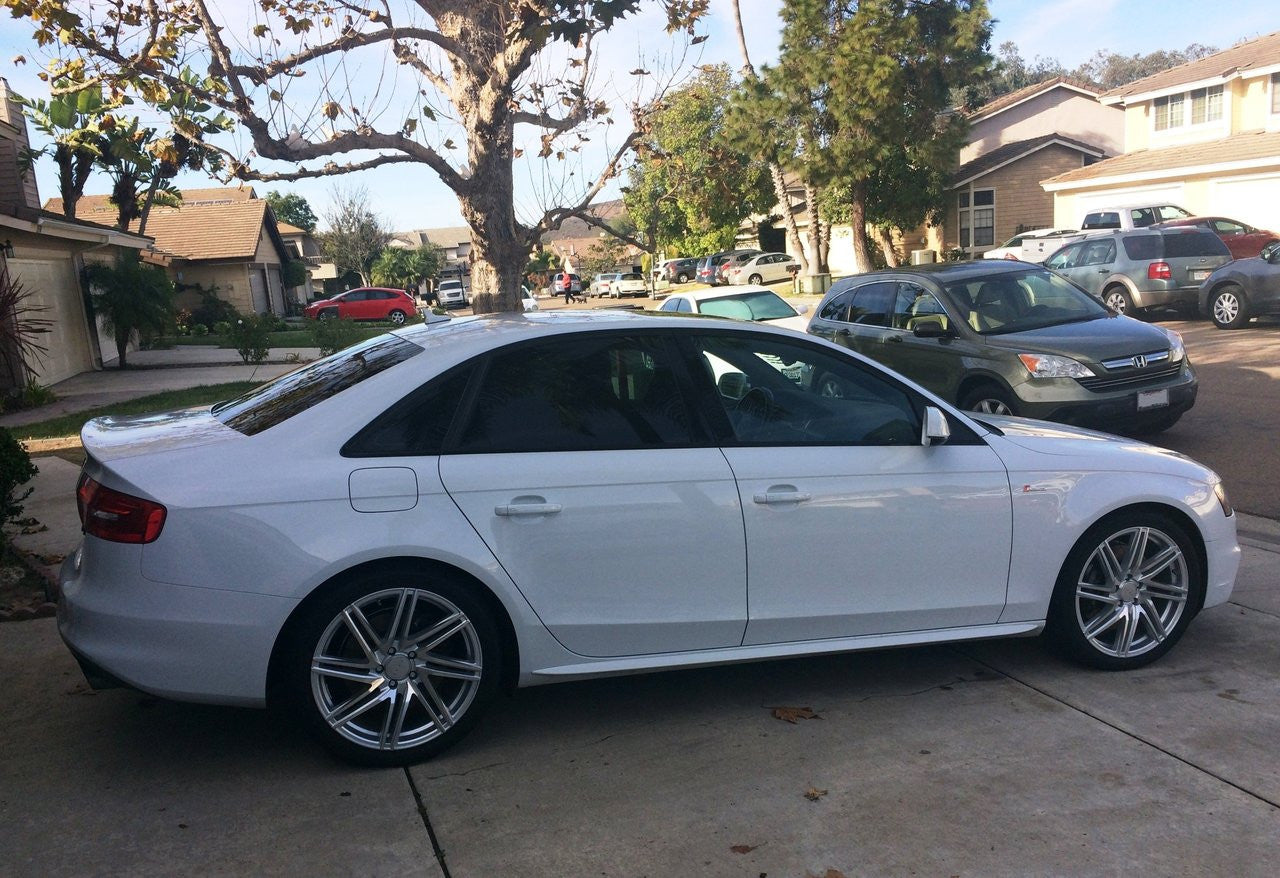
{"x": 53, "y": 286}
{"x": 1255, "y": 200}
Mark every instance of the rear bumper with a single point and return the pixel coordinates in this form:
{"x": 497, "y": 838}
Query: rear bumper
{"x": 189, "y": 644}
{"x": 1176, "y": 296}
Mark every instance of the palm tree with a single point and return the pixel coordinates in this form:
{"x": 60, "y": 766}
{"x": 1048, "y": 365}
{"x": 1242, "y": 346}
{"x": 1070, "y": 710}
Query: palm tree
{"x": 130, "y": 297}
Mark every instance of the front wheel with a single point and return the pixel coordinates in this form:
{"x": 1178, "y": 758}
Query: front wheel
{"x": 988, "y": 399}
{"x": 397, "y": 317}
{"x": 328, "y": 314}
{"x": 1228, "y": 308}
{"x": 1127, "y": 592}
{"x": 392, "y": 668}
{"x": 682, "y": 278}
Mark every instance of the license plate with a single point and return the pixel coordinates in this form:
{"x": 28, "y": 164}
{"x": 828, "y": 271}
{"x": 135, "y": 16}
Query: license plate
{"x": 1152, "y": 399}
{"x": 1199, "y": 273}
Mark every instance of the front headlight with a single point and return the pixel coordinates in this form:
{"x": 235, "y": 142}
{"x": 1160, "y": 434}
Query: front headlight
{"x": 1051, "y": 366}
{"x": 1177, "y": 352}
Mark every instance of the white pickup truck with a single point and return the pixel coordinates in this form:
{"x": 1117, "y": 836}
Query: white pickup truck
{"x": 1040, "y": 249}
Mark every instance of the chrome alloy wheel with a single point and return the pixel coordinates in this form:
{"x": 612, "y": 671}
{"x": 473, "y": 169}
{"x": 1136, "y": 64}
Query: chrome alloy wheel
{"x": 1226, "y": 307}
{"x": 1117, "y": 302}
{"x": 992, "y": 407}
{"x": 1132, "y": 592}
{"x": 396, "y": 668}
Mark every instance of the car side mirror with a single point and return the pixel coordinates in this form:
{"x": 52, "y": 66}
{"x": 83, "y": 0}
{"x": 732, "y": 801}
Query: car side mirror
{"x": 936, "y": 430}
{"x": 931, "y": 329}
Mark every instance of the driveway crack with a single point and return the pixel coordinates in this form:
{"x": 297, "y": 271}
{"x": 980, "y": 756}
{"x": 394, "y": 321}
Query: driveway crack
{"x": 465, "y": 773}
{"x": 426, "y": 821}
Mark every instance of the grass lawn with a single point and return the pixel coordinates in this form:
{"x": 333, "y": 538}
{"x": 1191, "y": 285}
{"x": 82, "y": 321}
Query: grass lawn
{"x": 69, "y": 425}
{"x": 292, "y": 338}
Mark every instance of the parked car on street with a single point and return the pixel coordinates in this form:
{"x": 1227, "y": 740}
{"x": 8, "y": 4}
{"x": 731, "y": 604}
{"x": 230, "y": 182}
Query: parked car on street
{"x": 1139, "y": 270}
{"x": 600, "y": 283}
{"x": 566, "y": 282}
{"x": 751, "y": 302}
{"x": 762, "y": 268}
{"x": 1013, "y": 248}
{"x": 709, "y": 266}
{"x": 452, "y": 294}
{"x": 736, "y": 260}
{"x": 629, "y": 283}
{"x": 1241, "y": 290}
{"x": 1006, "y": 337}
{"x": 365, "y": 303}
{"x": 679, "y": 271}
{"x": 1242, "y": 240}
{"x": 1131, "y": 217}
{"x": 527, "y": 299}
{"x": 514, "y": 500}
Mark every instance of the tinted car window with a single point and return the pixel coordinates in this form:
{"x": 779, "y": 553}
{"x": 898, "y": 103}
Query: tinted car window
{"x": 279, "y": 400}
{"x": 591, "y": 392}
{"x": 838, "y": 307}
{"x": 872, "y": 304}
{"x": 778, "y": 392}
{"x": 418, "y": 424}
{"x": 1144, "y": 247}
{"x": 1193, "y": 244}
{"x": 1107, "y": 219}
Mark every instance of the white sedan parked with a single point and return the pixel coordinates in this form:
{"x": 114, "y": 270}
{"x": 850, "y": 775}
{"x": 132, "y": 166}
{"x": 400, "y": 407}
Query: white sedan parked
{"x": 763, "y": 268}
{"x": 366, "y": 540}
{"x": 756, "y": 303}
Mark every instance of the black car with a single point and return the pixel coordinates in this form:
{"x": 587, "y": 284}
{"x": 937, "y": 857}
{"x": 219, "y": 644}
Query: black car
{"x": 1242, "y": 290}
{"x": 681, "y": 271}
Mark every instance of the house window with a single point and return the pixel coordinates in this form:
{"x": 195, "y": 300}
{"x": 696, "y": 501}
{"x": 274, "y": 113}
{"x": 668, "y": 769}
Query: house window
{"x": 977, "y": 215}
{"x": 1275, "y": 93}
{"x": 1199, "y": 106}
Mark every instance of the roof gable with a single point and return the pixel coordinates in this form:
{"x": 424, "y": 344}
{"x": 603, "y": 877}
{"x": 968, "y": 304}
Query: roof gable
{"x": 1012, "y": 152}
{"x": 1013, "y": 98}
{"x": 1239, "y": 60}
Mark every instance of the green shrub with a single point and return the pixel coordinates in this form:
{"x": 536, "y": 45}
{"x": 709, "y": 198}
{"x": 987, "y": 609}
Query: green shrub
{"x": 249, "y": 335}
{"x": 213, "y": 310}
{"x": 199, "y": 329}
{"x": 16, "y": 469}
{"x": 222, "y": 328}
{"x": 333, "y": 335}
{"x": 36, "y": 394}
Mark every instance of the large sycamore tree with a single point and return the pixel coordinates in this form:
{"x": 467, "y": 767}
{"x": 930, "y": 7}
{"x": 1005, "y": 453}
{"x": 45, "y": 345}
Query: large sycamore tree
{"x": 326, "y": 87}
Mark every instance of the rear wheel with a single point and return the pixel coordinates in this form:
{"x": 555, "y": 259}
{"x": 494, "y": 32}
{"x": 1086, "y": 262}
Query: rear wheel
{"x": 1127, "y": 591}
{"x": 1119, "y": 300}
{"x": 682, "y": 278}
{"x": 327, "y": 314}
{"x": 1228, "y": 307}
{"x": 755, "y": 279}
{"x": 989, "y": 399}
{"x": 397, "y": 317}
{"x": 394, "y": 667}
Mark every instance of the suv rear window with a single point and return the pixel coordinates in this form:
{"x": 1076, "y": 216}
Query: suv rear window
{"x": 1144, "y": 247}
{"x": 277, "y": 401}
{"x": 1193, "y": 244}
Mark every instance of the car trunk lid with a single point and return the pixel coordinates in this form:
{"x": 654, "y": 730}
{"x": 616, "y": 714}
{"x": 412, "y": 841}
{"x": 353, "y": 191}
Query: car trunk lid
{"x": 115, "y": 438}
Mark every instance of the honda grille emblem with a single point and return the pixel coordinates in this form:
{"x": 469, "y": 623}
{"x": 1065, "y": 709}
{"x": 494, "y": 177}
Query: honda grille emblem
{"x": 1139, "y": 362}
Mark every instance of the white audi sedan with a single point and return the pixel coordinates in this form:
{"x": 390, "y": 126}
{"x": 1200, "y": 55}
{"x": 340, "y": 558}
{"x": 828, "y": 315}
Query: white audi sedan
{"x": 385, "y": 538}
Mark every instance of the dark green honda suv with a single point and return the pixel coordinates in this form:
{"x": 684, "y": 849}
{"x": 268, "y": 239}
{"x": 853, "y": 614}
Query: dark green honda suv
{"x": 1013, "y": 338}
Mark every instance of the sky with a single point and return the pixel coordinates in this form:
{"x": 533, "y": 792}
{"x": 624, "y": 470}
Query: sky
{"x": 409, "y": 197}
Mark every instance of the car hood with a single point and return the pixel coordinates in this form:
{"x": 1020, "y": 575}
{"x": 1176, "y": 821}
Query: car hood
{"x": 1058, "y": 446}
{"x": 1105, "y": 338}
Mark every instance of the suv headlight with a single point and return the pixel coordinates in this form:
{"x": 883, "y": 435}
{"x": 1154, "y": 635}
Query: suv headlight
{"x": 1051, "y": 366}
{"x": 1177, "y": 351}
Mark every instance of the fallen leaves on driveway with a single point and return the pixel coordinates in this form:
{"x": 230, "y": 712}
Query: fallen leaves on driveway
{"x": 830, "y": 873}
{"x": 813, "y": 794}
{"x": 744, "y": 848}
{"x": 794, "y": 714}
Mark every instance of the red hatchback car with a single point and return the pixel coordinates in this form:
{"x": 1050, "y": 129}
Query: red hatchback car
{"x": 1242, "y": 240}
{"x": 365, "y": 303}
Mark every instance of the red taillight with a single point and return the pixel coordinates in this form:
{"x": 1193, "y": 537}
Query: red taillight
{"x": 120, "y": 518}
{"x": 1159, "y": 271}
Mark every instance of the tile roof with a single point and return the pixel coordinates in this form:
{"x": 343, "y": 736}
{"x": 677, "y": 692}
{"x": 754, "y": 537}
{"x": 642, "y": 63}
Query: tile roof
{"x": 1261, "y": 52}
{"x": 1006, "y": 101}
{"x": 1257, "y": 146}
{"x": 449, "y": 236}
{"x": 989, "y": 161}
{"x": 290, "y": 229}
{"x": 210, "y": 224}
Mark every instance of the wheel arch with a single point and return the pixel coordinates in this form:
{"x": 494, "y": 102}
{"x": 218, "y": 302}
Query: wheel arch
{"x": 510, "y": 671}
{"x": 974, "y": 380}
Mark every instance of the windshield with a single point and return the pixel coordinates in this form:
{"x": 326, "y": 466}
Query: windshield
{"x": 748, "y": 306}
{"x": 1018, "y": 301}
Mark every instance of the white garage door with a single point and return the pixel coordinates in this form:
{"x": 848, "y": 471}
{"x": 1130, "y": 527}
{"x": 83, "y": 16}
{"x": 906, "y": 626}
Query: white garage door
{"x": 1168, "y": 194}
{"x": 1252, "y": 200}
{"x": 53, "y": 286}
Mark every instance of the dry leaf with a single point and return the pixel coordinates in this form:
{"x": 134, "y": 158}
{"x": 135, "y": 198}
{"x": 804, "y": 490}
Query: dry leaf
{"x": 830, "y": 873}
{"x": 813, "y": 794}
{"x": 744, "y": 848}
{"x": 794, "y": 714}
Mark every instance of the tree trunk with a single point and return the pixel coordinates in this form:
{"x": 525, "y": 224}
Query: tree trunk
{"x": 73, "y": 173}
{"x": 824, "y": 258}
{"x": 884, "y": 237}
{"x": 789, "y": 218}
{"x": 146, "y": 205}
{"x": 122, "y": 347}
{"x": 858, "y": 226}
{"x": 817, "y": 238}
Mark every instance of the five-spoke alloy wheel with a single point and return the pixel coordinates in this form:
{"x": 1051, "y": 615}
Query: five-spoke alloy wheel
{"x": 397, "y": 667}
{"x": 1127, "y": 591}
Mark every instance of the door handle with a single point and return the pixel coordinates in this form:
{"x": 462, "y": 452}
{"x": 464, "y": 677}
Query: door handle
{"x": 894, "y": 339}
{"x": 527, "y": 509}
{"x": 1104, "y": 270}
{"x": 843, "y": 331}
{"x": 775, "y": 497}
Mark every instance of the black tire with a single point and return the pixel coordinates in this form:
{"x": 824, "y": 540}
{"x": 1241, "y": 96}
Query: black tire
{"x": 1229, "y": 307}
{"x": 397, "y": 317}
{"x": 1118, "y": 299}
{"x": 755, "y": 279}
{"x": 989, "y": 399}
{"x": 682, "y": 278}
{"x": 439, "y": 707}
{"x": 1087, "y": 597}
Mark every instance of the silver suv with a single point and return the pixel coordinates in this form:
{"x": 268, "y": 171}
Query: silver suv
{"x": 1146, "y": 268}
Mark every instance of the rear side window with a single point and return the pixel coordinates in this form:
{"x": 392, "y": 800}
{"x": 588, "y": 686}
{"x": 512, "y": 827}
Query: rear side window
{"x": 872, "y": 304}
{"x": 1107, "y": 219}
{"x": 1194, "y": 244}
{"x": 418, "y": 424}
{"x": 277, "y": 401}
{"x": 1142, "y": 248}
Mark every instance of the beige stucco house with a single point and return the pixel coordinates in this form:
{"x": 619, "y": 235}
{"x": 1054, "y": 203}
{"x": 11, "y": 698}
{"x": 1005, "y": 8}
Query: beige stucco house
{"x": 223, "y": 240}
{"x": 1203, "y": 135}
{"x": 44, "y": 254}
{"x": 1014, "y": 142}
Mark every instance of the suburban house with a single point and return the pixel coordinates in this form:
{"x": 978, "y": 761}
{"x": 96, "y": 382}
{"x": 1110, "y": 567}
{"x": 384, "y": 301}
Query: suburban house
{"x": 44, "y": 253}
{"x": 1014, "y": 142}
{"x": 220, "y": 240}
{"x": 454, "y": 241}
{"x": 302, "y": 245}
{"x": 1204, "y": 135}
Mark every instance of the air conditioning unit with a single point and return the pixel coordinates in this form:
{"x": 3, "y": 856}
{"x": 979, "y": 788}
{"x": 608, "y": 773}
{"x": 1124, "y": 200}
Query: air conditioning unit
{"x": 923, "y": 257}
